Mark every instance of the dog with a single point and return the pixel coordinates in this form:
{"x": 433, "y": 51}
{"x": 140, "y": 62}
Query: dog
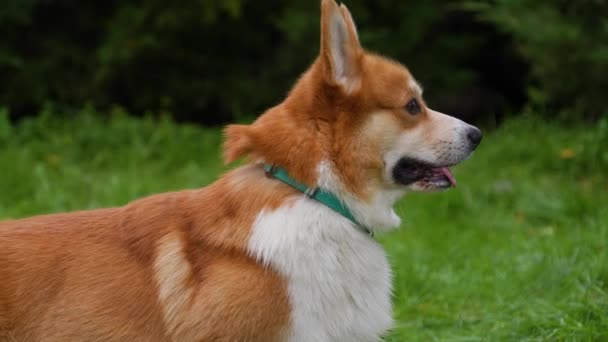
{"x": 278, "y": 249}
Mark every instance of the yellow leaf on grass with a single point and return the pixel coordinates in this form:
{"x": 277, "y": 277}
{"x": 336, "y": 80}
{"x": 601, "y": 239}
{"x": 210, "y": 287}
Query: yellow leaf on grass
{"x": 53, "y": 160}
{"x": 567, "y": 153}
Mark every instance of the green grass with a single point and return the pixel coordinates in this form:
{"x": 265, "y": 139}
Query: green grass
{"x": 518, "y": 252}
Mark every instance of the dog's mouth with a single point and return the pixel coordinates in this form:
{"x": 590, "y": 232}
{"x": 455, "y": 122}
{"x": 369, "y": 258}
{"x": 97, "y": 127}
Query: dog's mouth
{"x": 423, "y": 176}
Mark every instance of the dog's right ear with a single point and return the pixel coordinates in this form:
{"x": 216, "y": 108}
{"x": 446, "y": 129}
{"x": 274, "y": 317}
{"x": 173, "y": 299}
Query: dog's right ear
{"x": 237, "y": 142}
{"x": 341, "y": 52}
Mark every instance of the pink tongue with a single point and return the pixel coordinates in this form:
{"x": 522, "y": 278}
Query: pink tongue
{"x": 449, "y": 175}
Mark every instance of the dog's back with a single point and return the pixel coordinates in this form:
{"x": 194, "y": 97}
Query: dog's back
{"x": 64, "y": 274}
{"x": 137, "y": 273}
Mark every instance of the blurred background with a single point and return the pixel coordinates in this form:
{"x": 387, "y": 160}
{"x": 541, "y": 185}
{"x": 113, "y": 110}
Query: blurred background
{"x": 215, "y": 61}
{"x": 104, "y": 102}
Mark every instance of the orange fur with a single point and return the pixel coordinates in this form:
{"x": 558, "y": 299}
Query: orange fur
{"x": 237, "y": 142}
{"x": 90, "y": 275}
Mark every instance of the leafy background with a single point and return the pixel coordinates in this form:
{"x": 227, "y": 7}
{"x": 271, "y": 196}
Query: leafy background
{"x": 213, "y": 61}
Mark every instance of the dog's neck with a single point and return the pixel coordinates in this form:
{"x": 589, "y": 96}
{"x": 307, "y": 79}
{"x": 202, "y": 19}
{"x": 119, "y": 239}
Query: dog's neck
{"x": 376, "y": 213}
{"x": 328, "y": 198}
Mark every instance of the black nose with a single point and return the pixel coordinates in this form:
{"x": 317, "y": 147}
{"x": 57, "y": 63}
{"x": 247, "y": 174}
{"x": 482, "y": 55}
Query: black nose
{"x": 474, "y": 135}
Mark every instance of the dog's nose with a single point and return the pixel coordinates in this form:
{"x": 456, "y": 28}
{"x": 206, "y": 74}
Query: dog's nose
{"x": 474, "y": 135}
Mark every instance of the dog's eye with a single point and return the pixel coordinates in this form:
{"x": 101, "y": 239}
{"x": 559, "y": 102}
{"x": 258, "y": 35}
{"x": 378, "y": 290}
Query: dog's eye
{"x": 413, "y": 107}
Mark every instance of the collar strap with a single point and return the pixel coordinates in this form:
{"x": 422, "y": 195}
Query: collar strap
{"x": 327, "y": 198}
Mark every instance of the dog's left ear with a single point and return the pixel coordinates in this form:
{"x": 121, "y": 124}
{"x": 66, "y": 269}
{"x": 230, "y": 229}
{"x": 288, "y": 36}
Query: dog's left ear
{"x": 341, "y": 52}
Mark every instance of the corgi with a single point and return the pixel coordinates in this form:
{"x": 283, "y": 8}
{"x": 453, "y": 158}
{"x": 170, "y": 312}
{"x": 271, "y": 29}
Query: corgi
{"x": 279, "y": 249}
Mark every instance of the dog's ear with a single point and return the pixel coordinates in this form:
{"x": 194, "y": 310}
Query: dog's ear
{"x": 237, "y": 142}
{"x": 341, "y": 52}
{"x": 350, "y": 22}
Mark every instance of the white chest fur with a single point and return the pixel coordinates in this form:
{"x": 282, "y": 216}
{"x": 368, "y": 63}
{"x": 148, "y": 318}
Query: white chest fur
{"x": 339, "y": 278}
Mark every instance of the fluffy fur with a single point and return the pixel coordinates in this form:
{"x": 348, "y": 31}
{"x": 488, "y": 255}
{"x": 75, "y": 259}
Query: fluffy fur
{"x": 339, "y": 281}
{"x": 248, "y": 258}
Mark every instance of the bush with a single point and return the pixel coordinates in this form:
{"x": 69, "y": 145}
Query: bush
{"x": 566, "y": 45}
{"x": 214, "y": 61}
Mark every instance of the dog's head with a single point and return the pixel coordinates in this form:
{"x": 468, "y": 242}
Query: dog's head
{"x": 356, "y": 123}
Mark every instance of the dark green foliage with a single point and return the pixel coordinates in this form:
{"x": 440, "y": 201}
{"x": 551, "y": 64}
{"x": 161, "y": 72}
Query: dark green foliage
{"x": 213, "y": 61}
{"x": 566, "y": 45}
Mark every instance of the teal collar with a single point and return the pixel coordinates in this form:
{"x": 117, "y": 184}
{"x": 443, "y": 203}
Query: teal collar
{"x": 327, "y": 198}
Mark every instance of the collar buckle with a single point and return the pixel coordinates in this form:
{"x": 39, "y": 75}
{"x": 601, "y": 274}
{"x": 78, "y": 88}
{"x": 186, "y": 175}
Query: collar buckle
{"x": 311, "y": 192}
{"x": 269, "y": 170}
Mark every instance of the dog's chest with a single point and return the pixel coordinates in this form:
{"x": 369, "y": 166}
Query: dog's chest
{"x": 339, "y": 278}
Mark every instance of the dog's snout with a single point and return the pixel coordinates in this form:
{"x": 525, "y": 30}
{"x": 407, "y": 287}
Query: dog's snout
{"x": 474, "y": 135}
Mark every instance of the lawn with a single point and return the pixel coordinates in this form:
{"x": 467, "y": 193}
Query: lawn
{"x": 518, "y": 252}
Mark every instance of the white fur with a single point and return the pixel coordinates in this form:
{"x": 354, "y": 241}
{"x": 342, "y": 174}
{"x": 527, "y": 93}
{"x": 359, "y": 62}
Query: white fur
{"x": 377, "y": 214}
{"x": 416, "y": 88}
{"x": 341, "y": 57}
{"x": 172, "y": 272}
{"x": 349, "y": 20}
{"x": 441, "y": 141}
{"x": 339, "y": 278}
{"x": 338, "y": 35}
